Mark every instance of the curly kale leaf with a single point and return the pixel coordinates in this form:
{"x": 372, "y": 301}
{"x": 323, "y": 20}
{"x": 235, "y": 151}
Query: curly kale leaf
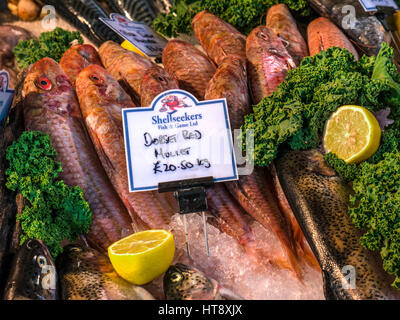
{"x": 244, "y": 15}
{"x": 51, "y": 44}
{"x": 375, "y": 207}
{"x": 55, "y": 211}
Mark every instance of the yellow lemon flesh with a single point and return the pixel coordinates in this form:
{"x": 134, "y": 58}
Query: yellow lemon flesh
{"x": 352, "y": 133}
{"x": 129, "y": 46}
{"x": 143, "y": 256}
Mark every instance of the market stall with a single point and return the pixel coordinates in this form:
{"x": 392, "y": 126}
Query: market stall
{"x": 199, "y": 150}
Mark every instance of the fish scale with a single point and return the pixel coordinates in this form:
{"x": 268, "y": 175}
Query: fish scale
{"x": 102, "y": 113}
{"x": 64, "y": 124}
{"x": 319, "y": 199}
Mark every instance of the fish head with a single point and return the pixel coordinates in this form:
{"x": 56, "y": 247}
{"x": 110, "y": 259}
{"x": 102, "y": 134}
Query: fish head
{"x": 36, "y": 277}
{"x": 88, "y": 53}
{"x": 155, "y": 81}
{"x": 76, "y": 257}
{"x": 265, "y": 41}
{"x": 47, "y": 86}
{"x": 94, "y": 81}
{"x": 182, "y": 282}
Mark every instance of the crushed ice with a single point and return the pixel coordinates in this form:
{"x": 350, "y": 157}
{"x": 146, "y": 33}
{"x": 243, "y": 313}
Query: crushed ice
{"x": 231, "y": 267}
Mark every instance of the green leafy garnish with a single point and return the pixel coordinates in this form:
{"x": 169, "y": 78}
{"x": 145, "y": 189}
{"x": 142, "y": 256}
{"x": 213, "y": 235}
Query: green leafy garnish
{"x": 51, "y": 44}
{"x": 55, "y": 211}
{"x": 244, "y": 15}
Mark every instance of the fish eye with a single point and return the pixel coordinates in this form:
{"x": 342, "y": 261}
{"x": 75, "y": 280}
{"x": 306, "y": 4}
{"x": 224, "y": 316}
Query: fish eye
{"x": 161, "y": 79}
{"x": 264, "y": 36}
{"x": 96, "y": 79}
{"x": 41, "y": 260}
{"x": 176, "y": 277}
{"x": 43, "y": 83}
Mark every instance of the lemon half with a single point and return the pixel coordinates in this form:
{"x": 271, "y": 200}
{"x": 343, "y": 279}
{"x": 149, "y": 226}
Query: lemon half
{"x": 352, "y": 133}
{"x": 129, "y": 46}
{"x": 143, "y": 256}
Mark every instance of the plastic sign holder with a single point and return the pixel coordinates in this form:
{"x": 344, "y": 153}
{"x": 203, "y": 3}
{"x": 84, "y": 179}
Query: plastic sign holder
{"x": 191, "y": 197}
{"x": 179, "y": 145}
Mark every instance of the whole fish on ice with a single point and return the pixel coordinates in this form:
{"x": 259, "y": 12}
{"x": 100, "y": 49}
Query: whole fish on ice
{"x": 183, "y": 282}
{"x": 319, "y": 199}
{"x": 50, "y": 106}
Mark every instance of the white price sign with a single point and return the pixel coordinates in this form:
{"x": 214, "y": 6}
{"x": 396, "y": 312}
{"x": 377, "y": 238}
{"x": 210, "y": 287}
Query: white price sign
{"x": 370, "y": 5}
{"x": 178, "y": 138}
{"x": 139, "y": 34}
{"x": 6, "y": 96}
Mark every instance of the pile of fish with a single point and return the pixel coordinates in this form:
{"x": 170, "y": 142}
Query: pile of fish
{"x": 78, "y": 103}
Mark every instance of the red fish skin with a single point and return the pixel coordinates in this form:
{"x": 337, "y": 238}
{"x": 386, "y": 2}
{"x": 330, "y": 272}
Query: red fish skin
{"x": 101, "y": 100}
{"x": 191, "y": 67}
{"x": 268, "y": 62}
{"x": 155, "y": 81}
{"x": 56, "y": 112}
{"x": 76, "y": 58}
{"x": 127, "y": 67}
{"x": 218, "y": 38}
{"x": 251, "y": 191}
{"x": 281, "y": 22}
{"x": 228, "y": 217}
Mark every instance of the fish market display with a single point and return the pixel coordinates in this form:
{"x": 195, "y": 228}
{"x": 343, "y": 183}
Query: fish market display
{"x": 9, "y": 37}
{"x": 319, "y": 199}
{"x": 50, "y": 106}
{"x": 367, "y": 32}
{"x": 192, "y": 68}
{"x": 155, "y": 81}
{"x": 323, "y": 34}
{"x": 268, "y": 62}
{"x": 84, "y": 15}
{"x": 33, "y": 275}
{"x": 182, "y": 282}
{"x": 251, "y": 191}
{"x": 282, "y": 23}
{"x": 86, "y": 274}
{"x": 127, "y": 67}
{"x": 76, "y": 58}
{"x": 218, "y": 38}
{"x": 101, "y": 101}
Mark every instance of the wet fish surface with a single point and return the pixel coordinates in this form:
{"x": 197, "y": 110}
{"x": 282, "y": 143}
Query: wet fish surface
{"x": 76, "y": 58}
{"x": 218, "y": 38}
{"x": 50, "y": 106}
{"x": 183, "y": 282}
{"x": 319, "y": 199}
{"x": 86, "y": 274}
{"x": 251, "y": 191}
{"x": 84, "y": 15}
{"x": 127, "y": 67}
{"x": 155, "y": 81}
{"x": 367, "y": 32}
{"x": 322, "y": 34}
{"x": 33, "y": 274}
{"x": 9, "y": 38}
{"x": 268, "y": 62}
{"x": 191, "y": 67}
{"x": 101, "y": 101}
{"x": 282, "y": 23}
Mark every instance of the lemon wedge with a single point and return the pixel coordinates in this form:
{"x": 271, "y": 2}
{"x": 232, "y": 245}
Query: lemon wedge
{"x": 129, "y": 46}
{"x": 143, "y": 256}
{"x": 352, "y": 133}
